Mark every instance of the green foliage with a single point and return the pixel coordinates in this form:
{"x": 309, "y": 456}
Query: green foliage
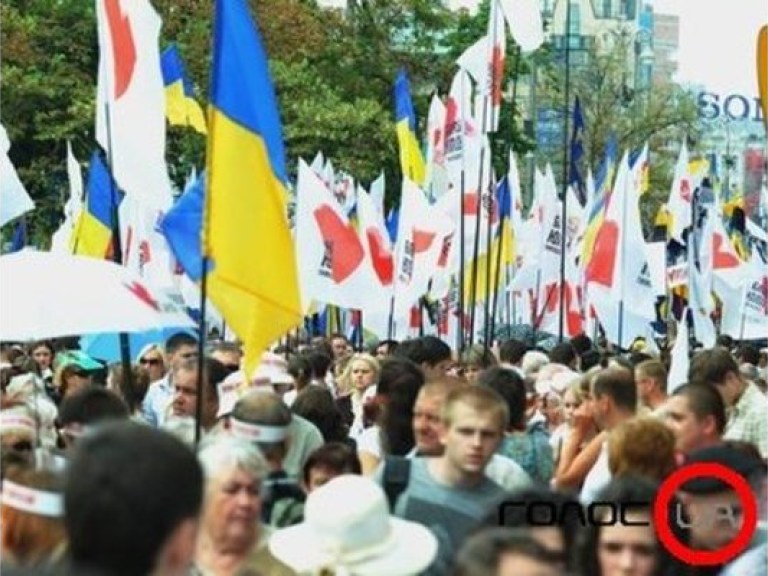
{"x": 613, "y": 101}
{"x": 333, "y": 71}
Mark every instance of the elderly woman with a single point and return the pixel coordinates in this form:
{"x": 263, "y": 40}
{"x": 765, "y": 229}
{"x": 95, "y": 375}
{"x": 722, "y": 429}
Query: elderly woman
{"x": 232, "y": 541}
{"x": 356, "y": 388}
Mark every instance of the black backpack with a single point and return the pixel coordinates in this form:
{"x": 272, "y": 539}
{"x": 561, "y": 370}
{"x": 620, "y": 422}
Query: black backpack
{"x": 397, "y": 474}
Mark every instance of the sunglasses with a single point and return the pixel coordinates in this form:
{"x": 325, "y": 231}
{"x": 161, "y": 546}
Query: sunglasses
{"x": 21, "y": 446}
{"x": 150, "y": 361}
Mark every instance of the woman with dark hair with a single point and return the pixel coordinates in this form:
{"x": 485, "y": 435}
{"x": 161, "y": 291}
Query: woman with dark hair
{"x": 316, "y": 405}
{"x": 133, "y": 390}
{"x": 551, "y": 518}
{"x": 399, "y": 383}
{"x": 629, "y": 546}
{"x": 300, "y": 370}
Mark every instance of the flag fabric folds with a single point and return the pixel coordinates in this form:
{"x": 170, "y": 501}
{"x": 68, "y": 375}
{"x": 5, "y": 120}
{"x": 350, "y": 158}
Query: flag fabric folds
{"x": 93, "y": 231}
{"x": 411, "y": 159}
{"x": 181, "y": 227}
{"x": 130, "y": 104}
{"x": 14, "y": 200}
{"x": 181, "y": 108}
{"x": 253, "y": 281}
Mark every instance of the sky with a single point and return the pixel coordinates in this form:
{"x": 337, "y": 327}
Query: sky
{"x": 718, "y": 42}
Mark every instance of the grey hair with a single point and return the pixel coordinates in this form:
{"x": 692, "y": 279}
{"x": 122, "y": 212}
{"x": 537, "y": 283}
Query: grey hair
{"x": 222, "y": 452}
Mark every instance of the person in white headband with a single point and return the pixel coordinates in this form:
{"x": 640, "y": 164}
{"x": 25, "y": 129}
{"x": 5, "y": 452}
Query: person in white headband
{"x": 32, "y": 516}
{"x": 263, "y": 419}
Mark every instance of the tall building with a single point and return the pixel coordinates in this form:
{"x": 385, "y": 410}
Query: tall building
{"x": 666, "y": 41}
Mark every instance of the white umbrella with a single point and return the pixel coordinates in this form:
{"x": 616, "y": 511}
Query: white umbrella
{"x": 47, "y": 295}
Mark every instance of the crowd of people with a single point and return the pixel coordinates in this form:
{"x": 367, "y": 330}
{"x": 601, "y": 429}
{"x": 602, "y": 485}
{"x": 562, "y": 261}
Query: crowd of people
{"x": 407, "y": 458}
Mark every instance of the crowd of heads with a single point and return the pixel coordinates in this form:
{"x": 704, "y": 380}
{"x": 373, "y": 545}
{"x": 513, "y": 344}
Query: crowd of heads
{"x": 401, "y": 458}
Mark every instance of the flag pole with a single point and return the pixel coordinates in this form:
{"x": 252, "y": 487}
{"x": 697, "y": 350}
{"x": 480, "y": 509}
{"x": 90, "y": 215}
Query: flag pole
{"x": 564, "y": 199}
{"x": 462, "y": 255}
{"x": 201, "y": 349}
{"x": 517, "y": 55}
{"x": 117, "y": 246}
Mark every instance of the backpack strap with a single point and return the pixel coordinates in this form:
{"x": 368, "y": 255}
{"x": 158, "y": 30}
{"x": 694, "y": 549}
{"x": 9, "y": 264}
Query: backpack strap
{"x": 397, "y": 474}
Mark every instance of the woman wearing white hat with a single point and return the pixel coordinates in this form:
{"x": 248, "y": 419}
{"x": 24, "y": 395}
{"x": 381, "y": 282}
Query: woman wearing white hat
{"x": 348, "y": 531}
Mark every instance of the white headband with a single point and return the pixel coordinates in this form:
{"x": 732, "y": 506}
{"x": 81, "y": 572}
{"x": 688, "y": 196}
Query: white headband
{"x": 15, "y": 421}
{"x": 257, "y": 432}
{"x": 75, "y": 429}
{"x": 33, "y": 501}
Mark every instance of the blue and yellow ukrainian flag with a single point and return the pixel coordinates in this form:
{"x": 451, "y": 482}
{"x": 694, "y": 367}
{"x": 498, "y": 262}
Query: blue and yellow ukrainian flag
{"x": 181, "y": 108}
{"x": 253, "y": 279}
{"x": 411, "y": 159}
{"x": 93, "y": 231}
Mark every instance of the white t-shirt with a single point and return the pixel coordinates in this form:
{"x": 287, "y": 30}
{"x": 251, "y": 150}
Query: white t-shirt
{"x": 369, "y": 441}
{"x": 597, "y": 478}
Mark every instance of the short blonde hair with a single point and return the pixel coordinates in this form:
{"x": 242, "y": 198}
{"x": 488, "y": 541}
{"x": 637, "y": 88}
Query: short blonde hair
{"x": 480, "y": 398}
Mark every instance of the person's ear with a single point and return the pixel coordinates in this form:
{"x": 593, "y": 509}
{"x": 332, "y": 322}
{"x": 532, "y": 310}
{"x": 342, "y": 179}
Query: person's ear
{"x": 178, "y": 552}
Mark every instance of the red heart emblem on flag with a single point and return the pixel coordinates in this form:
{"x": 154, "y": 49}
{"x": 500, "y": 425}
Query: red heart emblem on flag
{"x": 381, "y": 257}
{"x": 721, "y": 258}
{"x": 422, "y": 240}
{"x": 143, "y": 294}
{"x": 603, "y": 261}
{"x": 345, "y": 247}
{"x": 123, "y": 48}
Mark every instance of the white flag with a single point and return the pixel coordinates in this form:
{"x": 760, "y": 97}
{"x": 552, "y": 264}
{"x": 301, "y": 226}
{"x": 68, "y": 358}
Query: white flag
{"x": 678, "y": 371}
{"x": 130, "y": 107}
{"x": 14, "y": 200}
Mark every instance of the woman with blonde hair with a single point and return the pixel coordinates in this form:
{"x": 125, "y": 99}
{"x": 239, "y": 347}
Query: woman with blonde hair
{"x": 356, "y": 388}
{"x": 32, "y": 517}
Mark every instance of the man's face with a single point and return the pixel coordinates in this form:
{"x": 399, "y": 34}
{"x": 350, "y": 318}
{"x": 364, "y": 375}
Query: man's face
{"x": 471, "y": 440}
{"x": 426, "y": 423}
{"x": 438, "y": 370}
{"x": 183, "y": 352}
{"x": 339, "y": 347}
{"x": 644, "y": 386}
{"x": 689, "y": 431}
{"x": 185, "y": 393}
{"x": 715, "y": 519}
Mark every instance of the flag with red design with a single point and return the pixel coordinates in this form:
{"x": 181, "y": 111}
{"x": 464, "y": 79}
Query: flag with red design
{"x": 679, "y": 204}
{"x": 420, "y": 236}
{"x": 130, "y": 108}
{"x": 334, "y": 267}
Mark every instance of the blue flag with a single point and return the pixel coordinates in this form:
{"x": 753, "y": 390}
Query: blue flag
{"x": 182, "y": 226}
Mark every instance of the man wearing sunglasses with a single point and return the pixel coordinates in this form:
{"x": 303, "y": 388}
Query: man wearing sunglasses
{"x": 178, "y": 348}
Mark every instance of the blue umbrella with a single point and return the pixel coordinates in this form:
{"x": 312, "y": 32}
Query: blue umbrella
{"x": 106, "y": 346}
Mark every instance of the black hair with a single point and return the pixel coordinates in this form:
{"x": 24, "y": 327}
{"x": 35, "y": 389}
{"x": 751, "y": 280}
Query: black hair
{"x": 91, "y": 405}
{"x": 563, "y": 353}
{"x": 428, "y": 350}
{"x": 316, "y": 404}
{"x": 127, "y": 488}
{"x": 399, "y": 382}
{"x": 704, "y": 400}
{"x": 178, "y": 340}
{"x": 481, "y": 554}
{"x": 512, "y": 351}
{"x": 337, "y": 456}
{"x": 511, "y": 387}
{"x": 631, "y": 493}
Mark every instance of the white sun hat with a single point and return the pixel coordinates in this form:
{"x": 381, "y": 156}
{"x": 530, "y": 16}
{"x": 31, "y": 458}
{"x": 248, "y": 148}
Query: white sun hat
{"x": 347, "y": 527}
